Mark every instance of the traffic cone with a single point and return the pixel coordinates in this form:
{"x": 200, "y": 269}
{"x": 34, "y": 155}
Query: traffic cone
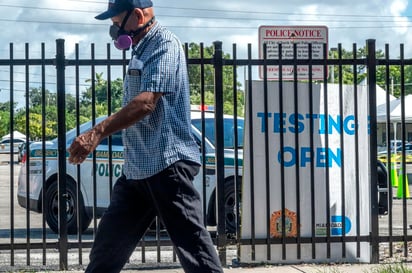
{"x": 400, "y": 193}
{"x": 394, "y": 175}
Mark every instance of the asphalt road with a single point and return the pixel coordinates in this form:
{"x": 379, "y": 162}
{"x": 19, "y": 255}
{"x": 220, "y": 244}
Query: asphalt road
{"x": 12, "y": 216}
{"x": 15, "y": 221}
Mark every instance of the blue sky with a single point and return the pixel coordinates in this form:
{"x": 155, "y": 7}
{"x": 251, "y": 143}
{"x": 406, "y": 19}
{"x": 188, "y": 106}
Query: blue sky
{"x": 230, "y": 21}
{"x": 408, "y": 11}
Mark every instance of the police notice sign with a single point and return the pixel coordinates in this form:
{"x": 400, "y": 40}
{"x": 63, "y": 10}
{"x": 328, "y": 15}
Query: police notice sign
{"x": 302, "y": 36}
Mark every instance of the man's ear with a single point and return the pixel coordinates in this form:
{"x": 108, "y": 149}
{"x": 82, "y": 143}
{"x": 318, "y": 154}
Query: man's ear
{"x": 140, "y": 16}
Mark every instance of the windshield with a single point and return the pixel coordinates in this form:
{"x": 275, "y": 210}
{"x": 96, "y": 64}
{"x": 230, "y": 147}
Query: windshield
{"x": 72, "y": 133}
{"x": 229, "y": 131}
{"x": 408, "y": 147}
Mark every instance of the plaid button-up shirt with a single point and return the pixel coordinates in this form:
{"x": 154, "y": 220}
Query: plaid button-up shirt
{"x": 158, "y": 64}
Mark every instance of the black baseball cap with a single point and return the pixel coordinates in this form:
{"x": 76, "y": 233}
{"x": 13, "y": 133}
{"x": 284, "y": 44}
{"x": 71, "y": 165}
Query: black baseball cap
{"x": 118, "y": 6}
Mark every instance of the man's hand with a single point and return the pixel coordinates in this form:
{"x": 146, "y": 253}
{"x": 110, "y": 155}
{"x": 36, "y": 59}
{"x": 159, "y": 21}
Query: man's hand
{"x": 82, "y": 146}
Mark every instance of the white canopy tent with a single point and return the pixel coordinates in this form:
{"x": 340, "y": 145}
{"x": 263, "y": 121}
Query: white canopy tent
{"x": 395, "y": 113}
{"x": 381, "y": 96}
{"x": 381, "y": 99}
{"x": 395, "y": 110}
{"x": 16, "y": 134}
{"x": 380, "y": 93}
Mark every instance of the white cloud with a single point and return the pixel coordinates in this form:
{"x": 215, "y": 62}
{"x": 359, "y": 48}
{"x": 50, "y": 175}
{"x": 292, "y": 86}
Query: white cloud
{"x": 397, "y": 8}
{"x": 243, "y": 19}
{"x": 234, "y": 21}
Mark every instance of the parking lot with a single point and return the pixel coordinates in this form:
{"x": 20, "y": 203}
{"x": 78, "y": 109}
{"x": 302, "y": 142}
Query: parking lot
{"x": 16, "y": 221}
{"x": 22, "y": 219}
{"x": 16, "y": 214}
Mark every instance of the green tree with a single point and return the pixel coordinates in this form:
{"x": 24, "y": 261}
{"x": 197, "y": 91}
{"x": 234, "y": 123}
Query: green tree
{"x": 4, "y": 122}
{"x": 5, "y": 118}
{"x": 195, "y": 79}
{"x": 5, "y": 106}
{"x": 36, "y": 97}
{"x": 393, "y": 80}
{"x": 101, "y": 93}
{"x": 35, "y": 114}
{"x": 347, "y": 71}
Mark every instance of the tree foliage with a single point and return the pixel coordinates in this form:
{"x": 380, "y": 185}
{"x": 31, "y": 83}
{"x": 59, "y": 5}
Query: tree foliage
{"x": 391, "y": 81}
{"x": 95, "y": 98}
{"x": 207, "y": 81}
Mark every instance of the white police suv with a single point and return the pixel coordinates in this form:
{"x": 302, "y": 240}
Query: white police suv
{"x": 100, "y": 171}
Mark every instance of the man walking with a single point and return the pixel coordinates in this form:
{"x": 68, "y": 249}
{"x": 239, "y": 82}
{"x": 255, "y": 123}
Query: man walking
{"x": 161, "y": 157}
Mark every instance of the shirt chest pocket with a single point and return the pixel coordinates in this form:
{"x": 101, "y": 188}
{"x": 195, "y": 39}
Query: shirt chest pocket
{"x": 133, "y": 83}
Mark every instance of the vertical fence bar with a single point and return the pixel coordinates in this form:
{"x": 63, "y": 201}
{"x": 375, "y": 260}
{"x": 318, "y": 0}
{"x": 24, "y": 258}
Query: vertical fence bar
{"x": 267, "y": 164}
{"x": 252, "y": 168}
{"x": 237, "y": 180}
{"x": 388, "y": 153}
{"x": 78, "y": 184}
{"x": 327, "y": 173}
{"x": 203, "y": 131}
{"x": 94, "y": 168}
{"x": 342, "y": 145}
{"x": 356, "y": 113}
{"x": 109, "y": 113}
{"x": 27, "y": 123}
{"x": 403, "y": 154}
{"x": 312, "y": 161}
{"x": 202, "y": 113}
{"x": 282, "y": 151}
{"x": 43, "y": 132}
{"x": 220, "y": 171}
{"x": 296, "y": 136}
{"x": 371, "y": 64}
{"x": 11, "y": 174}
{"x": 61, "y": 131}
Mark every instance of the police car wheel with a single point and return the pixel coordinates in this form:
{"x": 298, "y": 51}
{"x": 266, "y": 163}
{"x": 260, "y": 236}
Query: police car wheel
{"x": 383, "y": 201}
{"x": 52, "y": 206}
{"x": 230, "y": 205}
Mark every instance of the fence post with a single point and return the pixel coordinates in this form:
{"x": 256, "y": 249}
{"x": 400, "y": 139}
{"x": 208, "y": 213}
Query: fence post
{"x": 371, "y": 64}
{"x": 219, "y": 149}
{"x": 61, "y": 133}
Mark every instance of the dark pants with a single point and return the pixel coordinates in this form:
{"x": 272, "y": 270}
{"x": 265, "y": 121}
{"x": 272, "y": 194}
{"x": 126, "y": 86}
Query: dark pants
{"x": 135, "y": 203}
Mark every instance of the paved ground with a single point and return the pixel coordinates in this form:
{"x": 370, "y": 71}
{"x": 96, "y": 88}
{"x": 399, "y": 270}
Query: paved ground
{"x": 36, "y": 235}
{"x": 348, "y": 268}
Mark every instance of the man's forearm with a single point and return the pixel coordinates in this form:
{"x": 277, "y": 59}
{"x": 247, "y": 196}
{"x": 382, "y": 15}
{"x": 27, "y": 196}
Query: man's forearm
{"x": 135, "y": 110}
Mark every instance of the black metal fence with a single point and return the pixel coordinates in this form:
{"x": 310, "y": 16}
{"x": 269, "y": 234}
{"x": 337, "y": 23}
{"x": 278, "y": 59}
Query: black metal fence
{"x": 27, "y": 241}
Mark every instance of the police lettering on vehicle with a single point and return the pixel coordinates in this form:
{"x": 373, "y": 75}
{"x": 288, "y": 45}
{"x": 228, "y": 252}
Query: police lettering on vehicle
{"x": 102, "y": 169}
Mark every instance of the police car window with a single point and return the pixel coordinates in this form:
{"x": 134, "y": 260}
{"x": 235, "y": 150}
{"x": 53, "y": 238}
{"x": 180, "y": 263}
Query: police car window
{"x": 209, "y": 128}
{"x": 197, "y": 140}
{"x": 229, "y": 131}
{"x": 408, "y": 147}
{"x": 116, "y": 140}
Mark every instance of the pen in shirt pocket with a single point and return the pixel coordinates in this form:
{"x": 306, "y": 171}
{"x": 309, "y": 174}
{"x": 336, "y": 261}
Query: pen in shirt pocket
{"x": 134, "y": 72}
{"x": 135, "y": 67}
